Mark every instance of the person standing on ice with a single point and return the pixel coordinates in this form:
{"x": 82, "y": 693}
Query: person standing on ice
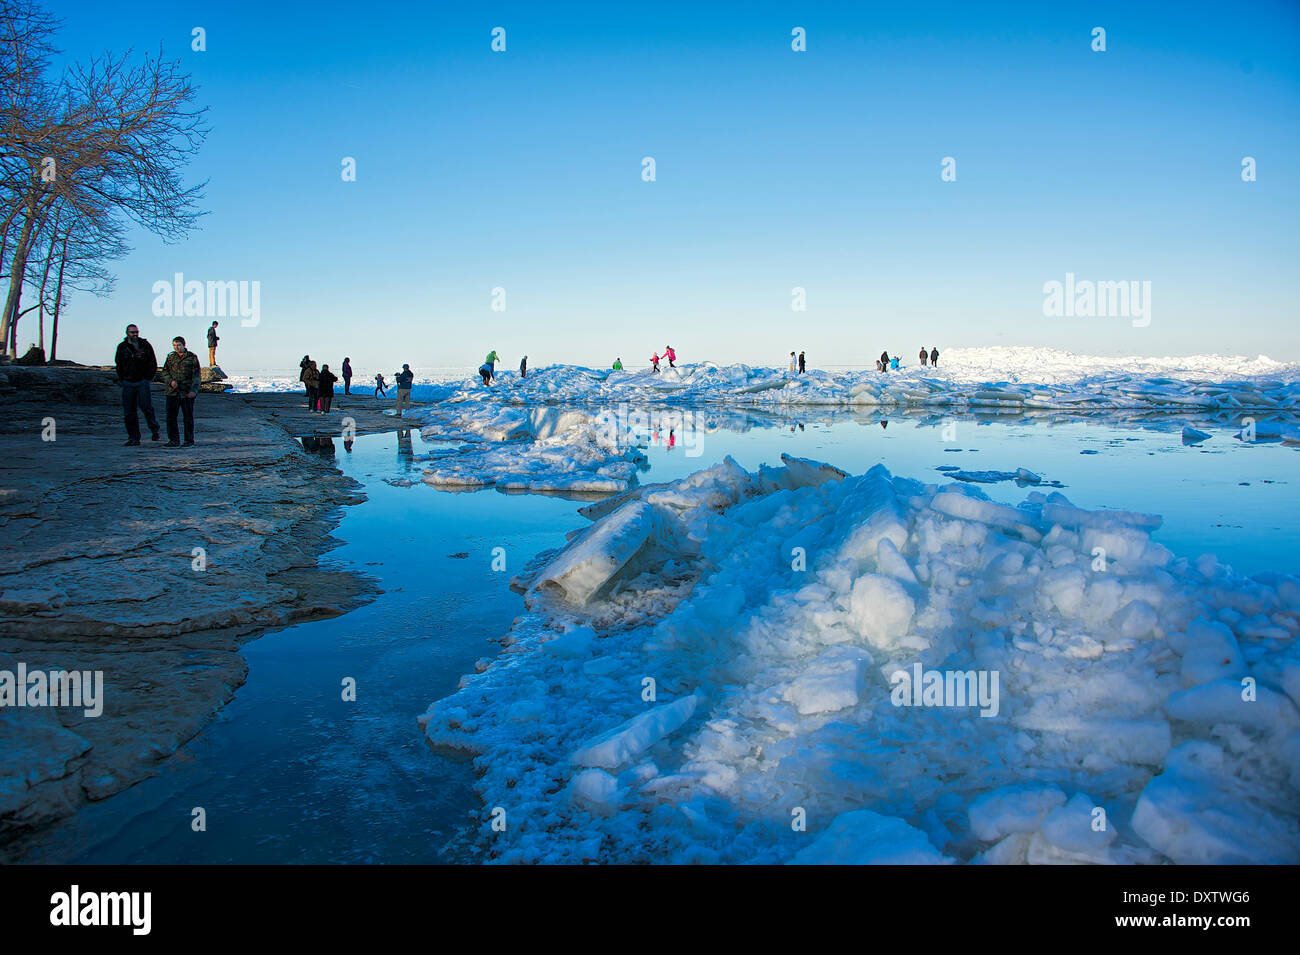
{"x": 924, "y": 356}
{"x": 310, "y": 378}
{"x": 485, "y": 370}
{"x": 347, "y": 375}
{"x": 405, "y": 378}
{"x": 893, "y": 363}
{"x": 326, "y": 387}
{"x": 670, "y": 355}
{"x": 654, "y": 360}
{"x": 379, "y": 385}
{"x": 801, "y": 363}
{"x": 491, "y": 362}
{"x": 523, "y": 367}
{"x": 794, "y": 363}
{"x": 934, "y": 357}
{"x": 884, "y": 361}
{"x": 618, "y": 364}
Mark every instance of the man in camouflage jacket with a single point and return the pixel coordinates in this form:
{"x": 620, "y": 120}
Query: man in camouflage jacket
{"x": 181, "y": 376}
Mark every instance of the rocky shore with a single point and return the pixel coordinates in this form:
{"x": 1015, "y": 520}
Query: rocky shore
{"x": 151, "y": 565}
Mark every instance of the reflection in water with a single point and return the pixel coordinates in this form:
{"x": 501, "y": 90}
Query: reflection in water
{"x": 404, "y": 443}
{"x": 708, "y": 419}
{"x": 314, "y": 444}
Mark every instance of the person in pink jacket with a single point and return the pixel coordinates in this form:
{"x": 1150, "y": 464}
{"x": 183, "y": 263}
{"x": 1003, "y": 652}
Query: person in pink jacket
{"x": 654, "y": 360}
{"x": 670, "y": 355}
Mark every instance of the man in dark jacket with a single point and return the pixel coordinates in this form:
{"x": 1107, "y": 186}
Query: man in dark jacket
{"x": 310, "y": 379}
{"x": 404, "y": 379}
{"x": 325, "y": 387}
{"x": 934, "y": 357}
{"x": 181, "y": 375}
{"x": 347, "y": 376}
{"x": 924, "y": 355}
{"x": 212, "y": 345}
{"x": 136, "y": 366}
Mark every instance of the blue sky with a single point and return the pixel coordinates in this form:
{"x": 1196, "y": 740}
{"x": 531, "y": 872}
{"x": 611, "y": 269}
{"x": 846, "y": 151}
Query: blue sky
{"x": 775, "y": 169}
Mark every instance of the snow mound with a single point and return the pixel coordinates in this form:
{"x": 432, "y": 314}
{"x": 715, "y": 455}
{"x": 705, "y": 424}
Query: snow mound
{"x": 798, "y": 665}
{"x": 989, "y": 380}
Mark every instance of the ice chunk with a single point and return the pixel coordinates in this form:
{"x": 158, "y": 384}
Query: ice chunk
{"x": 1019, "y": 808}
{"x": 1210, "y": 653}
{"x": 1196, "y": 817}
{"x": 1078, "y": 826}
{"x": 880, "y": 610}
{"x": 1136, "y": 620}
{"x": 576, "y": 643}
{"x": 620, "y": 745}
{"x": 587, "y": 564}
{"x": 1227, "y": 701}
{"x": 863, "y": 837}
{"x": 1004, "y": 518}
{"x": 831, "y": 682}
{"x": 890, "y": 562}
{"x": 595, "y": 786}
{"x": 803, "y": 472}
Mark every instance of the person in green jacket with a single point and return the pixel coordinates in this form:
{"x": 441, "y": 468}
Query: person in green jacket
{"x": 618, "y": 364}
{"x": 181, "y": 375}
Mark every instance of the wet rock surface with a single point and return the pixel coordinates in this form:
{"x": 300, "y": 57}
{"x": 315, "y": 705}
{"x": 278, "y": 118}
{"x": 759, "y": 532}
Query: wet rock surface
{"x": 150, "y": 564}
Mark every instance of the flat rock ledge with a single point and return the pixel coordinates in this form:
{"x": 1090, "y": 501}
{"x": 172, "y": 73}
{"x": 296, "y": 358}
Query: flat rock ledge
{"x": 151, "y": 565}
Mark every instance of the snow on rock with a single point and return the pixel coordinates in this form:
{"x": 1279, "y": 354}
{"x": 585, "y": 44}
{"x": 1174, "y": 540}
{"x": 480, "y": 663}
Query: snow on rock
{"x": 720, "y": 687}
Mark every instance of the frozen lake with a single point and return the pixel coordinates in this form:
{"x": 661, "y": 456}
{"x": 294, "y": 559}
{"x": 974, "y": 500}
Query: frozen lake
{"x": 289, "y": 772}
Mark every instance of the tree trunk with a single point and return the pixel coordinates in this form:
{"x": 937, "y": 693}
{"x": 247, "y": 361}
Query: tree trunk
{"x": 17, "y": 270}
{"x": 58, "y": 299}
{"x": 45, "y": 278}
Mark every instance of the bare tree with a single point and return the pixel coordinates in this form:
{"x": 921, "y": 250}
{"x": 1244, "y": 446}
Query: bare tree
{"x": 107, "y": 142}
